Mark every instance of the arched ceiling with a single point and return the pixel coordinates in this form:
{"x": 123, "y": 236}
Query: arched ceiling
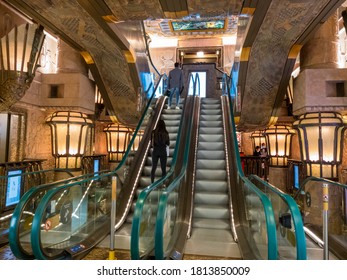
{"x": 270, "y": 43}
{"x": 91, "y": 28}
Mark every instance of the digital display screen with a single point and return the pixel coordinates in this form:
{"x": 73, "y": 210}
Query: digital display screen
{"x": 296, "y": 177}
{"x": 96, "y": 165}
{"x": 14, "y": 187}
{"x": 77, "y": 248}
{"x": 198, "y": 25}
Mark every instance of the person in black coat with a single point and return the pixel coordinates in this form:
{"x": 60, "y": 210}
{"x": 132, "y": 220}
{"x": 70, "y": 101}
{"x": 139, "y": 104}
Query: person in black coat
{"x": 160, "y": 139}
{"x": 257, "y": 151}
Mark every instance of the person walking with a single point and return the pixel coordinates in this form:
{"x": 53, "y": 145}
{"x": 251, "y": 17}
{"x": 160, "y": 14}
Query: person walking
{"x": 160, "y": 139}
{"x": 175, "y": 84}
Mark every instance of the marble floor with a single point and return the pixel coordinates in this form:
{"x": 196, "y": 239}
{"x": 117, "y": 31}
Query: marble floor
{"x": 103, "y": 254}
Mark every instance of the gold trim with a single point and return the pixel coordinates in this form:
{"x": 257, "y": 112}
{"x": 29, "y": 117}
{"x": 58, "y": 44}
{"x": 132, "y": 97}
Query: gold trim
{"x": 129, "y": 56}
{"x": 110, "y": 19}
{"x": 87, "y": 57}
{"x": 272, "y": 120}
{"x": 294, "y": 51}
{"x": 247, "y": 11}
{"x": 181, "y": 14}
{"x": 170, "y": 14}
{"x": 245, "y": 54}
{"x": 114, "y": 119}
{"x": 236, "y": 120}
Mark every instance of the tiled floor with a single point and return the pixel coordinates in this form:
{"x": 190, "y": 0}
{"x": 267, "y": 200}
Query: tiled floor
{"x": 103, "y": 254}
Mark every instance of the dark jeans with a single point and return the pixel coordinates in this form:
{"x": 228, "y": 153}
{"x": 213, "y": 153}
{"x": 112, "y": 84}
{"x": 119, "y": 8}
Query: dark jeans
{"x": 156, "y": 155}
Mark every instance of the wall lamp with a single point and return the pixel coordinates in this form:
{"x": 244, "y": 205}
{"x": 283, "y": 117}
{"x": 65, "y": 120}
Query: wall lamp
{"x": 321, "y": 136}
{"x": 69, "y": 138}
{"x": 20, "y": 50}
{"x": 278, "y": 140}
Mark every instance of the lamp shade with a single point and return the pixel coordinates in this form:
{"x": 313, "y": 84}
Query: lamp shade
{"x": 117, "y": 137}
{"x": 69, "y": 137}
{"x": 320, "y": 136}
{"x": 258, "y": 138}
{"x": 20, "y": 50}
{"x": 278, "y": 139}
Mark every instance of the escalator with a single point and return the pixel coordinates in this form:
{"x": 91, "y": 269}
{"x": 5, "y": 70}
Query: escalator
{"x": 172, "y": 120}
{"x": 245, "y": 218}
{"x": 71, "y": 217}
{"x": 211, "y": 214}
{"x": 17, "y": 221}
{"x": 143, "y": 237}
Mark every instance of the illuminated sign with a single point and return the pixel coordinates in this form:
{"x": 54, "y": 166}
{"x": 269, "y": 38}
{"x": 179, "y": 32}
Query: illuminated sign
{"x": 96, "y": 166}
{"x": 14, "y": 187}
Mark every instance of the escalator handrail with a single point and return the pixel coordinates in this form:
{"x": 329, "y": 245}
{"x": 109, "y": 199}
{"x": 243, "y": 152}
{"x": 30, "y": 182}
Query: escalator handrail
{"x": 137, "y": 217}
{"x": 268, "y": 209}
{"x": 16, "y": 248}
{"x": 35, "y": 234}
{"x": 295, "y": 213}
{"x": 317, "y": 179}
{"x": 297, "y": 219}
{"x": 13, "y": 237}
{"x": 160, "y": 220}
{"x": 40, "y": 212}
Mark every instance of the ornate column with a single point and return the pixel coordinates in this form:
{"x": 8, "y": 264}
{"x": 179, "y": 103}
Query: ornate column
{"x": 320, "y": 87}
{"x": 70, "y": 60}
{"x": 321, "y": 51}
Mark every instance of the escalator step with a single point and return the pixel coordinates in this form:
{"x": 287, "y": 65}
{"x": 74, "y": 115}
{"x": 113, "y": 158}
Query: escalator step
{"x": 210, "y": 118}
{"x": 214, "y": 146}
{"x": 211, "y": 212}
{"x": 203, "y": 154}
{"x": 210, "y": 100}
{"x": 211, "y": 198}
{"x": 211, "y": 111}
{"x": 211, "y": 106}
{"x": 211, "y": 138}
{"x": 209, "y": 123}
{"x": 211, "y": 223}
{"x": 210, "y": 164}
{"x": 215, "y": 186}
{"x": 211, "y": 130}
{"x": 171, "y": 116}
{"x": 172, "y": 122}
{"x": 214, "y": 175}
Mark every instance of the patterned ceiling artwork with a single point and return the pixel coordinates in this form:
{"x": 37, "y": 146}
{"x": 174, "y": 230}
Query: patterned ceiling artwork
{"x": 162, "y": 28}
{"x": 275, "y": 27}
{"x": 281, "y": 28}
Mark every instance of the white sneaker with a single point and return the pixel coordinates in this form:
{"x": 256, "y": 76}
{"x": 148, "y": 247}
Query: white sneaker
{"x": 177, "y": 108}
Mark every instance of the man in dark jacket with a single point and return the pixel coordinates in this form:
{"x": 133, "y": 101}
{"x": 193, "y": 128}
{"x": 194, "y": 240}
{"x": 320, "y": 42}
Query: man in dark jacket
{"x": 175, "y": 84}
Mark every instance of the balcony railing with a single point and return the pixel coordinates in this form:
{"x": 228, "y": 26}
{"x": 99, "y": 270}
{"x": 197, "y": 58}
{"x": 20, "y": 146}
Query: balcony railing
{"x": 256, "y": 165}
